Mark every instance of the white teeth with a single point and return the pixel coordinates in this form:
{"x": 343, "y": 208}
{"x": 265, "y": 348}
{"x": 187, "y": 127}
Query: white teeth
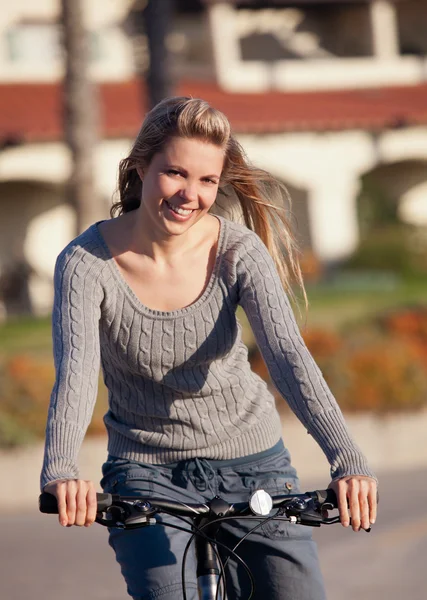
{"x": 177, "y": 209}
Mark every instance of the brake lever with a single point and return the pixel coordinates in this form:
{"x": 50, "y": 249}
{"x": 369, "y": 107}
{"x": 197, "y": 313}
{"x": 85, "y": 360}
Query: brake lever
{"x": 304, "y": 512}
{"x": 128, "y": 515}
{"x": 326, "y": 506}
{"x": 311, "y": 520}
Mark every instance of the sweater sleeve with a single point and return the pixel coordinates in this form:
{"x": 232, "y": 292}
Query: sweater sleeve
{"x": 76, "y": 348}
{"x": 292, "y": 368}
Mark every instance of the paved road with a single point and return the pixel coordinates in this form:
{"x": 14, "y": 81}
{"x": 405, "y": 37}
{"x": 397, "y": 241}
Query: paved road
{"x": 390, "y": 562}
{"x": 42, "y": 561}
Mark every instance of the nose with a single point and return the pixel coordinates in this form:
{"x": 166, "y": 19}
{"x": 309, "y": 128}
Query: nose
{"x": 188, "y": 191}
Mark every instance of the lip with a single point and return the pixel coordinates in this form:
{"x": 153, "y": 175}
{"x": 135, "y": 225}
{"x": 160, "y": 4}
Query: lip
{"x": 175, "y": 215}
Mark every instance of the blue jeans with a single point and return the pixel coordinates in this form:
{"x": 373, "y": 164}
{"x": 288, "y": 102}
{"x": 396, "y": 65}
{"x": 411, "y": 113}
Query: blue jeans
{"x": 282, "y": 557}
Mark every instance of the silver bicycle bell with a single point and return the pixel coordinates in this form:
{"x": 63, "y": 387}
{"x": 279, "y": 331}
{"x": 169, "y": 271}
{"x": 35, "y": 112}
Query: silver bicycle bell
{"x": 261, "y": 503}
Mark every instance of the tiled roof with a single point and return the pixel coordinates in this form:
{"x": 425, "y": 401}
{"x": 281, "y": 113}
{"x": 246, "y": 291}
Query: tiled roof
{"x": 32, "y": 112}
{"x": 287, "y": 2}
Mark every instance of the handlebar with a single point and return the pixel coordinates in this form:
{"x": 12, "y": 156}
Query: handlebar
{"x": 130, "y": 512}
{"x": 49, "y": 505}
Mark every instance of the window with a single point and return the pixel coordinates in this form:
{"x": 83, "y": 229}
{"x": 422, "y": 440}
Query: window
{"x": 33, "y": 43}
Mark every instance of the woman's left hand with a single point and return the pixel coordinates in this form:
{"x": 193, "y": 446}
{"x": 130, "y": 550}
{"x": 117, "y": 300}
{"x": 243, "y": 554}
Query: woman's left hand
{"x": 357, "y": 498}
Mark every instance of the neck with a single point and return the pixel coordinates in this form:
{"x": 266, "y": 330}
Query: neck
{"x": 160, "y": 246}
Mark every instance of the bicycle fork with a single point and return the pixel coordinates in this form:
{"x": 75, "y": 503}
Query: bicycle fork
{"x": 208, "y": 572}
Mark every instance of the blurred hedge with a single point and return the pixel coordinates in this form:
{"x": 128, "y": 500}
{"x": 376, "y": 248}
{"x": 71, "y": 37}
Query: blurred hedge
{"x": 379, "y": 365}
{"x": 25, "y": 386}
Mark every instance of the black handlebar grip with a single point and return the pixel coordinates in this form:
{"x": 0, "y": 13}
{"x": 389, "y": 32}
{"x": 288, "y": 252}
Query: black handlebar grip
{"x": 327, "y": 496}
{"x": 49, "y": 505}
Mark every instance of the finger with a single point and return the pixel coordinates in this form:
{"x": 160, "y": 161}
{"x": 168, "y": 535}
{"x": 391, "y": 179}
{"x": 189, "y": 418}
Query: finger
{"x": 372, "y": 499}
{"x": 364, "y": 506}
{"x": 71, "y": 502}
{"x": 91, "y": 504}
{"x": 342, "y": 504}
{"x": 60, "y": 493}
{"x": 81, "y": 507}
{"x": 354, "y": 506}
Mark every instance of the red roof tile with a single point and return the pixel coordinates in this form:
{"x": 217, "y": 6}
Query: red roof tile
{"x": 32, "y": 112}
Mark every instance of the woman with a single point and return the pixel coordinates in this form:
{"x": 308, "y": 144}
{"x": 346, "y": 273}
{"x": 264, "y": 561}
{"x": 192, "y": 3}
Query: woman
{"x": 152, "y": 293}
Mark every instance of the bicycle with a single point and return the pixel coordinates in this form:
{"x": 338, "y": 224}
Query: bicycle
{"x": 130, "y": 512}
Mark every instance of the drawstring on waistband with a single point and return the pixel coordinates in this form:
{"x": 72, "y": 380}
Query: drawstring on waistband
{"x": 200, "y": 473}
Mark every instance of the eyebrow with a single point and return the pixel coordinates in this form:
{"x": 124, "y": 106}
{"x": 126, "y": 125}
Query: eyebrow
{"x": 179, "y": 168}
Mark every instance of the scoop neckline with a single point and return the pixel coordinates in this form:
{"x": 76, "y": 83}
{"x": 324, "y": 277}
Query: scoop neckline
{"x": 162, "y": 314}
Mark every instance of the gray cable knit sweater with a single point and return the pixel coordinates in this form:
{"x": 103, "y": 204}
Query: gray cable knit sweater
{"x": 179, "y": 382}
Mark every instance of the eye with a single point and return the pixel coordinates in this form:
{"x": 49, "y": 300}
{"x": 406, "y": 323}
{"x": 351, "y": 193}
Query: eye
{"x": 211, "y": 181}
{"x": 174, "y": 172}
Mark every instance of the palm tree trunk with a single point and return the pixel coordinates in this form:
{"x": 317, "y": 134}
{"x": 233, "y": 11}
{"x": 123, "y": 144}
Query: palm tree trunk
{"x": 80, "y": 110}
{"x": 158, "y": 15}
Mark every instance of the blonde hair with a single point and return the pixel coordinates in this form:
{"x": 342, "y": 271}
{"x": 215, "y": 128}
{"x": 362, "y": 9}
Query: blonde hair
{"x": 263, "y": 201}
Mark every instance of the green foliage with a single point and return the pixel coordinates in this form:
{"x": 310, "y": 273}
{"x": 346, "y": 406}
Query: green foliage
{"x": 375, "y": 207}
{"x": 13, "y": 434}
{"x": 26, "y": 334}
{"x": 387, "y": 243}
{"x": 396, "y": 249}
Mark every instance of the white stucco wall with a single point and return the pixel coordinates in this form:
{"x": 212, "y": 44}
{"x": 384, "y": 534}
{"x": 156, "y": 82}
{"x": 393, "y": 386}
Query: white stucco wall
{"x": 325, "y": 168}
{"x": 46, "y": 236}
{"x": 35, "y": 162}
{"x": 37, "y": 223}
{"x": 34, "y": 24}
{"x": 384, "y": 67}
{"x": 329, "y": 167}
{"x": 413, "y": 208}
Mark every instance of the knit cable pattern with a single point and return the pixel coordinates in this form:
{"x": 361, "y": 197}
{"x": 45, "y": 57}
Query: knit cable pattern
{"x": 179, "y": 382}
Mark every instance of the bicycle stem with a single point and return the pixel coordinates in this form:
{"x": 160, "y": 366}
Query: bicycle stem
{"x": 207, "y": 566}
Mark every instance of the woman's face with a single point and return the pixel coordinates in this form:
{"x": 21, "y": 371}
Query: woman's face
{"x": 181, "y": 183}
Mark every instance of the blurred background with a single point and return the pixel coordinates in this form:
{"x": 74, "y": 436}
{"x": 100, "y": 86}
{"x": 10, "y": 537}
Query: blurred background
{"x": 331, "y": 97}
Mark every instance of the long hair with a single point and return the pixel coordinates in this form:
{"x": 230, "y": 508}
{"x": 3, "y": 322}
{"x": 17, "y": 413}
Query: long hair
{"x": 264, "y": 203}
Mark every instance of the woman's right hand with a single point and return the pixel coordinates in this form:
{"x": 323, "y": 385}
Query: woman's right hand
{"x": 76, "y": 501}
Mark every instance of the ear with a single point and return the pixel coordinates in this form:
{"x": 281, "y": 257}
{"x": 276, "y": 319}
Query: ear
{"x": 140, "y": 173}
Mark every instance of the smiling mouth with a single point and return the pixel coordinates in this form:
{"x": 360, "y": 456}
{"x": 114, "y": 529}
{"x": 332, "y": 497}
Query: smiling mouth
{"x": 178, "y": 210}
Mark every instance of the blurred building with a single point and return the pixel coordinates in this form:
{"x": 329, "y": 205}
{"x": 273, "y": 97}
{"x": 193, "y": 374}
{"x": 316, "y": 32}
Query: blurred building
{"x": 321, "y": 93}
